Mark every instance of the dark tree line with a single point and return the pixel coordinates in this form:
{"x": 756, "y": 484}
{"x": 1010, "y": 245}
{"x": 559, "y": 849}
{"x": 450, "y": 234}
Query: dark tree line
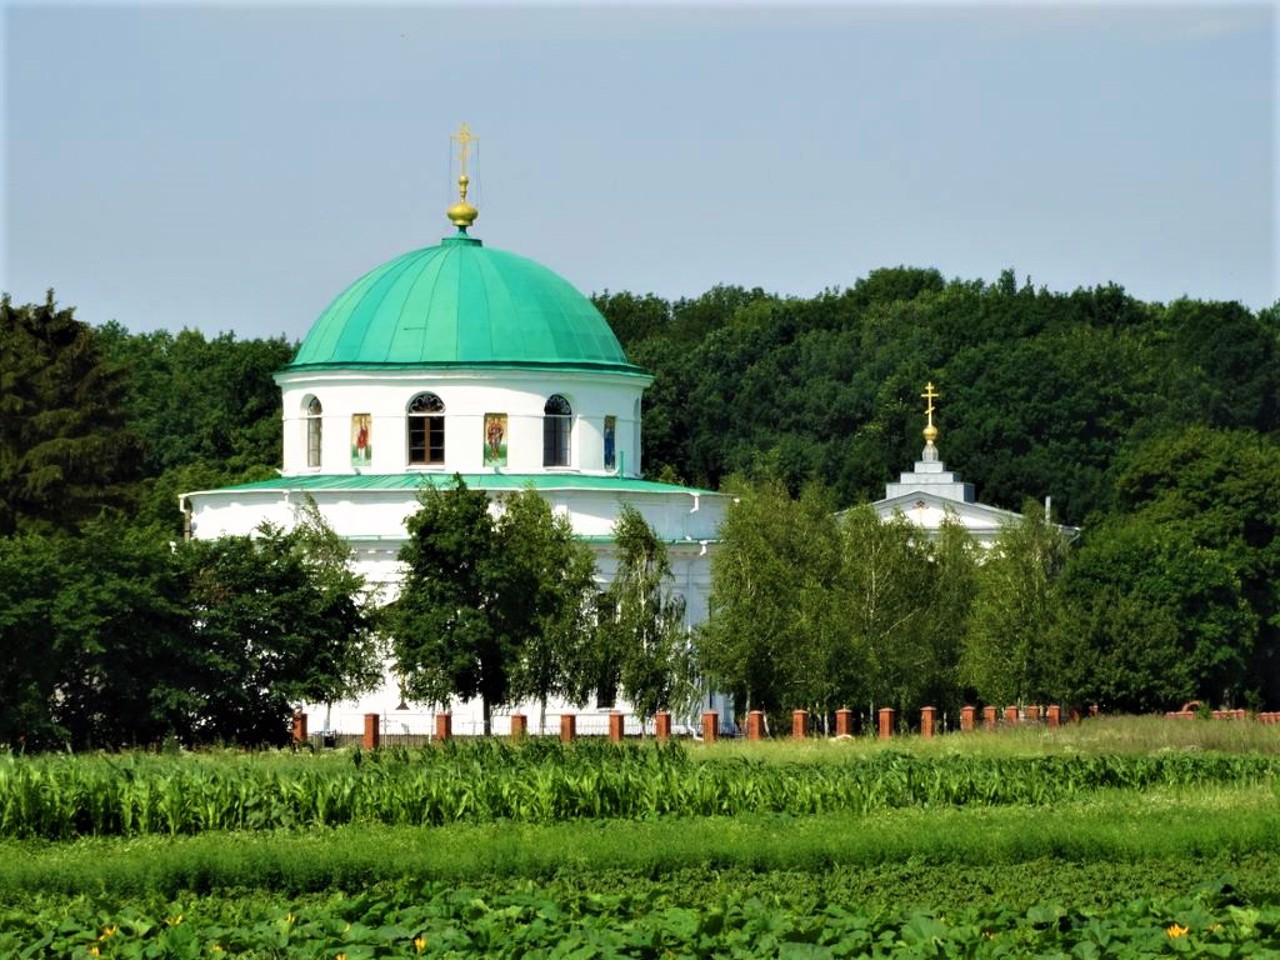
{"x": 1043, "y": 392}
{"x": 113, "y": 632}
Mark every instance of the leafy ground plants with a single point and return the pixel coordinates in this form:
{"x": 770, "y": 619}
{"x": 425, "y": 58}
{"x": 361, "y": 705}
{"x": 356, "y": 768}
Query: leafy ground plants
{"x": 1106, "y": 841}
{"x": 407, "y": 920}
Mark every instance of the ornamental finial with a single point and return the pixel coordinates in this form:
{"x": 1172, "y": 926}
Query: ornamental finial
{"x": 463, "y": 214}
{"x": 930, "y": 431}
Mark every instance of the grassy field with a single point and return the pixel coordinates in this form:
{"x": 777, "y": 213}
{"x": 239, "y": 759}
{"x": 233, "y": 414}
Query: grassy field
{"x": 1119, "y": 837}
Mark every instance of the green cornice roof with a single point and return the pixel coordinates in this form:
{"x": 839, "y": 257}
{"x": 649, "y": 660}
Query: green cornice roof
{"x": 320, "y": 482}
{"x": 461, "y": 304}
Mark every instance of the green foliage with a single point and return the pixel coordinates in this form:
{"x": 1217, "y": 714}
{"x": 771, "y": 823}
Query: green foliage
{"x": 641, "y": 629}
{"x": 97, "y": 639}
{"x": 1149, "y": 620}
{"x": 66, "y": 451}
{"x": 278, "y": 618}
{"x": 1221, "y": 491}
{"x": 763, "y": 579}
{"x": 810, "y": 609}
{"x": 490, "y": 607}
{"x": 560, "y": 653}
{"x": 707, "y": 919}
{"x": 1014, "y": 614}
{"x": 198, "y": 400}
{"x": 1044, "y": 392}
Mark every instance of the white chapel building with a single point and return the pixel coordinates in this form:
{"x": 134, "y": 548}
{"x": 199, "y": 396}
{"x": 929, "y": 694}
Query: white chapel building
{"x": 459, "y": 358}
{"x": 930, "y": 494}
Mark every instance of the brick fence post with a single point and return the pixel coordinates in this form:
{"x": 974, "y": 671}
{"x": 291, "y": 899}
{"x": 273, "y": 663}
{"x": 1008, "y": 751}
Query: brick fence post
{"x": 372, "y": 733}
{"x": 844, "y": 722}
{"x": 928, "y": 717}
{"x": 1011, "y": 716}
{"x": 966, "y": 718}
{"x": 1033, "y": 714}
{"x": 1093, "y": 709}
{"x": 299, "y": 728}
{"x": 662, "y": 724}
{"x": 799, "y": 724}
{"x": 886, "y": 722}
{"x": 617, "y": 726}
{"x": 710, "y": 726}
{"x": 519, "y": 726}
{"x": 755, "y": 725}
{"x": 989, "y": 718}
{"x": 444, "y": 726}
{"x": 568, "y": 727}
{"x": 1055, "y": 715}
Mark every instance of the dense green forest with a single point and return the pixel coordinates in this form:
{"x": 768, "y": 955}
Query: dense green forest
{"x": 1152, "y": 426}
{"x": 1043, "y": 393}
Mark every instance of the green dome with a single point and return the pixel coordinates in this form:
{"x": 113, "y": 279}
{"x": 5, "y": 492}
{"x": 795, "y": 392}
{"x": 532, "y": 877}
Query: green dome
{"x": 461, "y": 305}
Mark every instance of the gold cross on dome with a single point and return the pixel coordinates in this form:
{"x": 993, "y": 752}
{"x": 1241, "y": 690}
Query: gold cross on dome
{"x": 464, "y": 138}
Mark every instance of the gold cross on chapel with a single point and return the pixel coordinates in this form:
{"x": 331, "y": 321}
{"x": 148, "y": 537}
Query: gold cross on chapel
{"x": 930, "y": 395}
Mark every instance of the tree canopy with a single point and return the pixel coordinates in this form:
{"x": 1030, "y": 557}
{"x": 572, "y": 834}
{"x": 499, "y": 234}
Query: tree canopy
{"x": 489, "y": 603}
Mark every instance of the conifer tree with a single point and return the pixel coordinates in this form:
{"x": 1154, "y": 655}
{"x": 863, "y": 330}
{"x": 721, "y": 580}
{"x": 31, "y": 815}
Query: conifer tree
{"x": 65, "y": 450}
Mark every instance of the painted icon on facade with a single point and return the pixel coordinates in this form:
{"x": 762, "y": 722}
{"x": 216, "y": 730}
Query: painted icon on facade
{"x": 495, "y": 439}
{"x": 610, "y": 447}
{"x": 361, "y": 439}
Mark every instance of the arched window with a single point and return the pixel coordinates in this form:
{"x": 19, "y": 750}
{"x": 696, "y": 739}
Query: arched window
{"x": 426, "y": 429}
{"x": 557, "y": 422}
{"x": 314, "y": 426}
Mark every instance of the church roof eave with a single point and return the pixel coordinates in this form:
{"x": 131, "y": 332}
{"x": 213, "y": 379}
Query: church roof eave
{"x": 498, "y": 482}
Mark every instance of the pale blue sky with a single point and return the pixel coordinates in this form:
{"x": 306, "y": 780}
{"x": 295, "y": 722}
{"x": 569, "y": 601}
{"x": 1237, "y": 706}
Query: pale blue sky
{"x": 234, "y": 167}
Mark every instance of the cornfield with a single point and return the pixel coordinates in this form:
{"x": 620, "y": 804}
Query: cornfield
{"x": 62, "y": 797}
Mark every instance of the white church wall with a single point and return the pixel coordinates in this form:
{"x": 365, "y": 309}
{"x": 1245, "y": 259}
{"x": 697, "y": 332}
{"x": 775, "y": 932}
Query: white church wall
{"x": 467, "y": 396}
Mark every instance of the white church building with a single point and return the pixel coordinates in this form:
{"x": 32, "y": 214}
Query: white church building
{"x": 462, "y": 359}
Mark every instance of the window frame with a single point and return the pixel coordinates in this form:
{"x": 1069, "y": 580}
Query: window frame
{"x": 313, "y": 415}
{"x": 424, "y": 433}
{"x": 557, "y": 432}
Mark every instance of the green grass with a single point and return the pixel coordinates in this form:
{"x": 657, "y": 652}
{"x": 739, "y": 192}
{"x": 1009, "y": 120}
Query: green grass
{"x": 1113, "y": 826}
{"x": 1113, "y": 735}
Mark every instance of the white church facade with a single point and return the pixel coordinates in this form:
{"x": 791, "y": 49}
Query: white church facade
{"x": 462, "y": 359}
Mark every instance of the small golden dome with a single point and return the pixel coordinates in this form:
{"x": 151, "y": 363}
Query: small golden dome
{"x": 462, "y": 214}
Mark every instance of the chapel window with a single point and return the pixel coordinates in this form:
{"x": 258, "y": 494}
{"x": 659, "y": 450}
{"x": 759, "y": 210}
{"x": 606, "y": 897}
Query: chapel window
{"x": 426, "y": 429}
{"x": 314, "y": 426}
{"x": 557, "y": 424}
{"x": 610, "y": 442}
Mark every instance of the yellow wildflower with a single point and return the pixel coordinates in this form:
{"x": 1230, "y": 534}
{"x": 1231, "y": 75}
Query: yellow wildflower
{"x": 1175, "y": 930}
{"x": 93, "y": 951}
{"x": 289, "y": 919}
{"x": 108, "y": 932}
{"x": 174, "y": 920}
{"x": 420, "y": 944}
